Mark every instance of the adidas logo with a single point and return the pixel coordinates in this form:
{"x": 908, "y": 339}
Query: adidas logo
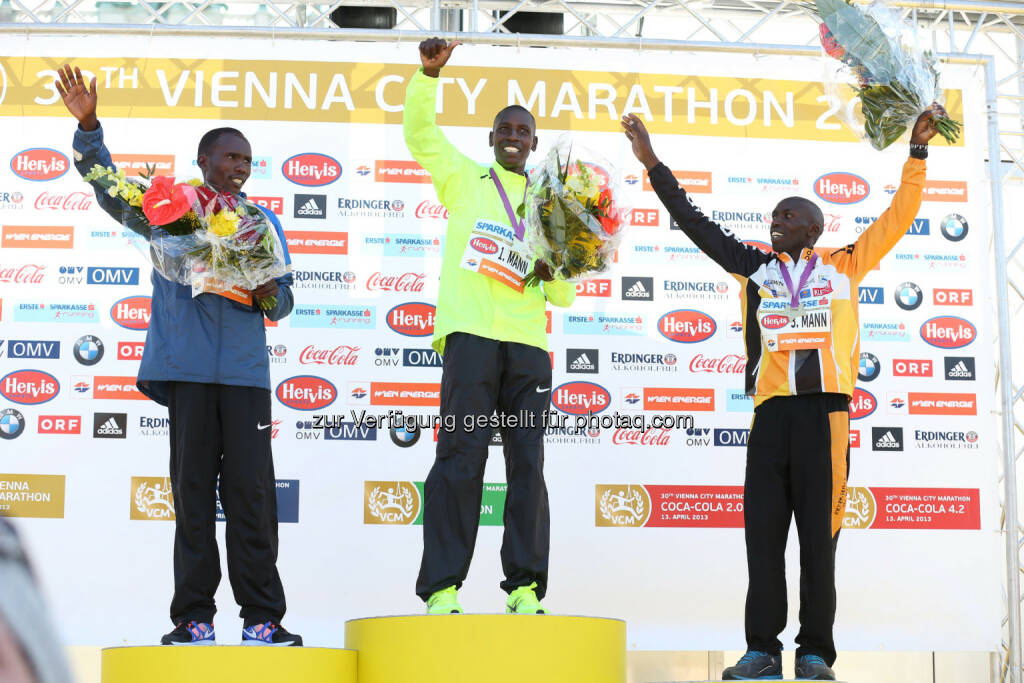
{"x": 583, "y": 363}
{"x": 637, "y": 291}
{"x": 109, "y": 428}
{"x": 960, "y": 370}
{"x": 310, "y": 208}
{"x": 887, "y": 440}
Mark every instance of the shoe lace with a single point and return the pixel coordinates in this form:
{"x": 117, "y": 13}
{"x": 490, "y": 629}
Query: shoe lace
{"x": 813, "y": 659}
{"x": 751, "y": 655}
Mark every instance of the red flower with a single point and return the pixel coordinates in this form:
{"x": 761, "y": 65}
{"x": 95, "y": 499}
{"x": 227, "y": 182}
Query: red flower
{"x": 165, "y": 202}
{"x": 828, "y": 42}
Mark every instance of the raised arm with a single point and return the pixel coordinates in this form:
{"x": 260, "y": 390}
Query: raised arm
{"x": 719, "y": 244}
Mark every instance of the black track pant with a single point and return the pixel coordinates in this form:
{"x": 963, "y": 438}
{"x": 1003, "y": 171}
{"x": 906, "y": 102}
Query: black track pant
{"x": 480, "y": 376}
{"x": 797, "y": 461}
{"x": 225, "y": 430}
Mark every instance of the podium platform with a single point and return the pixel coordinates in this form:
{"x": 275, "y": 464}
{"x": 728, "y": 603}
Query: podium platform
{"x": 227, "y": 664}
{"x": 491, "y": 648}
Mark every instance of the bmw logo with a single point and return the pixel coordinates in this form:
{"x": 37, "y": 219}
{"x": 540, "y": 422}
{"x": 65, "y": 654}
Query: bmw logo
{"x": 954, "y": 227}
{"x": 868, "y": 368}
{"x": 12, "y": 423}
{"x": 908, "y": 296}
{"x": 402, "y": 437}
{"x": 88, "y": 350}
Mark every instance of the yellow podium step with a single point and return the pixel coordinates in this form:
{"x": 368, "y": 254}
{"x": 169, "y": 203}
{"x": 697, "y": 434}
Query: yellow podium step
{"x": 488, "y": 648}
{"x": 227, "y": 664}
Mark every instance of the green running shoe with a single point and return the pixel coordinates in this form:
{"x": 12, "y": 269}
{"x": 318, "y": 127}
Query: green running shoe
{"x": 445, "y": 601}
{"x": 524, "y": 601}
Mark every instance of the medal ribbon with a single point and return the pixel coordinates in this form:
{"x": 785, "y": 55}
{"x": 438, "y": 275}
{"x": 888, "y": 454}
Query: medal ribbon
{"x": 517, "y": 222}
{"x": 794, "y": 294}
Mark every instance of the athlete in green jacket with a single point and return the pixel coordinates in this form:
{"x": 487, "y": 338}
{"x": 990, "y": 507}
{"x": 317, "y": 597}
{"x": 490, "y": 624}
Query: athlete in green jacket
{"x": 491, "y": 332}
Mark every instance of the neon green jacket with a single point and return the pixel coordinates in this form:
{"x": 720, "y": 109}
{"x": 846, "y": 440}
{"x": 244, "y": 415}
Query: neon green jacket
{"x": 470, "y": 302}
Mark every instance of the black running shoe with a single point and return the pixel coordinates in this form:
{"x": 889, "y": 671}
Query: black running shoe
{"x": 813, "y": 668}
{"x": 269, "y": 633}
{"x": 755, "y": 666}
{"x": 190, "y": 633}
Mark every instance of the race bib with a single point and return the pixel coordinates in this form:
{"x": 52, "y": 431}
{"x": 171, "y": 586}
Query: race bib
{"x": 793, "y": 329}
{"x": 494, "y": 251}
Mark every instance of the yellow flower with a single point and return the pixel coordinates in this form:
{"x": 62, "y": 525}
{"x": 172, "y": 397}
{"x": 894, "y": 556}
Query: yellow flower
{"x": 583, "y": 185}
{"x": 195, "y": 182}
{"x": 224, "y": 223}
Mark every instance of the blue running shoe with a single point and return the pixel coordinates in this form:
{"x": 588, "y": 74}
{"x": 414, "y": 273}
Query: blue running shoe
{"x": 269, "y": 633}
{"x": 190, "y": 633}
{"x": 755, "y": 666}
{"x": 813, "y": 668}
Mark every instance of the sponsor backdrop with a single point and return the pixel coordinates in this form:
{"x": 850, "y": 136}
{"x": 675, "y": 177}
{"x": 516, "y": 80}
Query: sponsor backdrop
{"x": 646, "y": 521}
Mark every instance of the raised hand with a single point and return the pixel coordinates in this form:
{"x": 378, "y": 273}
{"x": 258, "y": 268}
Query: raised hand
{"x": 637, "y": 133}
{"x": 79, "y": 100}
{"x": 925, "y": 128}
{"x": 434, "y": 54}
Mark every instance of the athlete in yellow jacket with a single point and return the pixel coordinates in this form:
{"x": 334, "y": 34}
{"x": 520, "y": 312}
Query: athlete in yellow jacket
{"x": 801, "y": 332}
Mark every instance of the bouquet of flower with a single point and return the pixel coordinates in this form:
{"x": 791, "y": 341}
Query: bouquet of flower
{"x": 574, "y": 214}
{"x": 197, "y": 236}
{"x": 893, "y": 78}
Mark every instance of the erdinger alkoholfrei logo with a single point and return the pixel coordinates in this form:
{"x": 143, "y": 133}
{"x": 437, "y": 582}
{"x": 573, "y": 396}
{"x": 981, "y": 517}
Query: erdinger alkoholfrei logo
{"x": 621, "y": 505}
{"x": 390, "y": 502}
{"x": 860, "y": 508}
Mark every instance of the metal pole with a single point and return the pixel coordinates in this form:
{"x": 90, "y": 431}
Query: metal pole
{"x": 1005, "y": 380}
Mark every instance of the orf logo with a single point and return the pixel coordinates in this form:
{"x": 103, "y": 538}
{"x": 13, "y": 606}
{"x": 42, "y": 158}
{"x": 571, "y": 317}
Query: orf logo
{"x": 484, "y": 245}
{"x": 948, "y": 332}
{"x": 132, "y": 312}
{"x": 311, "y": 169}
{"x": 841, "y": 188}
{"x": 686, "y": 326}
{"x": 29, "y": 387}
{"x": 774, "y": 322}
{"x": 306, "y": 392}
{"x": 581, "y": 398}
{"x": 862, "y": 404}
{"x": 40, "y": 164}
{"x": 414, "y": 319}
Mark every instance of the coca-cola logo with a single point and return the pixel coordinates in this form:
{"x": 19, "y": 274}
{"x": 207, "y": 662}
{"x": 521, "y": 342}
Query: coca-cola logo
{"x": 841, "y": 188}
{"x": 311, "y": 169}
{"x": 29, "y": 387}
{"x": 686, "y": 326}
{"x": 580, "y": 398}
{"x": 339, "y": 355}
{"x": 429, "y": 209}
{"x": 728, "y": 364}
{"x": 948, "y": 332}
{"x": 28, "y": 274}
{"x": 484, "y": 245}
{"x": 406, "y": 282}
{"x": 862, "y": 404}
{"x": 306, "y": 392}
{"x": 73, "y": 201}
{"x": 413, "y": 319}
{"x": 774, "y": 322}
{"x": 642, "y": 437}
{"x": 39, "y": 164}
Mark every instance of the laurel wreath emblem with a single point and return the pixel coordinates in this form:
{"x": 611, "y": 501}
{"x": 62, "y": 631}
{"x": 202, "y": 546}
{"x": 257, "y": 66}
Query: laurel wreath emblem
{"x": 406, "y": 501}
{"x": 635, "y": 506}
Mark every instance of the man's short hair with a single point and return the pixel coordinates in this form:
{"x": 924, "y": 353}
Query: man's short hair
{"x": 515, "y": 107}
{"x": 813, "y": 209}
{"x": 210, "y": 138}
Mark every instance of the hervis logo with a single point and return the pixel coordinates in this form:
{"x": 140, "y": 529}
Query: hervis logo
{"x": 151, "y": 499}
{"x": 306, "y": 392}
{"x": 622, "y": 505}
{"x": 686, "y": 326}
{"x": 484, "y": 245}
{"x": 29, "y": 387}
{"x": 32, "y": 495}
{"x": 390, "y": 502}
{"x": 862, "y": 404}
{"x": 39, "y": 164}
{"x": 841, "y": 188}
{"x": 132, "y": 312}
{"x": 311, "y": 169}
{"x": 413, "y": 319}
{"x": 948, "y": 332}
{"x": 580, "y": 398}
{"x": 860, "y": 508}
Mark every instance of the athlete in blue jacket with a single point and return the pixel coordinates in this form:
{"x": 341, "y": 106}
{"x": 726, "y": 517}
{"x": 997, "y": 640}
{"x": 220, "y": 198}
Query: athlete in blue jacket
{"x": 206, "y": 360}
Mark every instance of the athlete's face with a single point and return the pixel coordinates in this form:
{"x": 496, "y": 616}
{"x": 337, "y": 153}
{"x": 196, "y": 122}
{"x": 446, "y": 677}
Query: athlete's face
{"x": 228, "y": 163}
{"x": 795, "y": 225}
{"x": 513, "y": 138}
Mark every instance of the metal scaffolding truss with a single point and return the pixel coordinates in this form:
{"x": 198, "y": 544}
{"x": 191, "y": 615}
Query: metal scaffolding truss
{"x": 989, "y": 34}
